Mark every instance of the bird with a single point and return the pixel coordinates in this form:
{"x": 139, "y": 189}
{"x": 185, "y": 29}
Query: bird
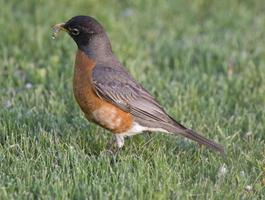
{"x": 109, "y": 96}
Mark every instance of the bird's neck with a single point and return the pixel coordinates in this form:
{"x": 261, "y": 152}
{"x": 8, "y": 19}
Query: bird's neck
{"x": 98, "y": 47}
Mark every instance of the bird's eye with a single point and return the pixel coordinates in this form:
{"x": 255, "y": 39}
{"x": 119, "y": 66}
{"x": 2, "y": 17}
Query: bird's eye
{"x": 74, "y": 31}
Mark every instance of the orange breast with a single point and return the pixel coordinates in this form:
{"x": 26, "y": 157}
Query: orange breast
{"x": 96, "y": 109}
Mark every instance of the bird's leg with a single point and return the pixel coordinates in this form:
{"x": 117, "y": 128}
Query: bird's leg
{"x": 116, "y": 143}
{"x": 111, "y": 144}
{"x": 119, "y": 141}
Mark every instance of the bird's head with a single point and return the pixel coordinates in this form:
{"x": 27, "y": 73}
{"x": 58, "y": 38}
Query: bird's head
{"x": 81, "y": 28}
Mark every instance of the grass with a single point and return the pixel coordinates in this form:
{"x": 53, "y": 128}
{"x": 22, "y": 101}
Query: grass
{"x": 203, "y": 60}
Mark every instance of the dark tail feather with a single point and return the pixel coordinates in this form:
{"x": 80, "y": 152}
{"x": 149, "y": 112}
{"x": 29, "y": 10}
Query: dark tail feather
{"x": 202, "y": 140}
{"x": 188, "y": 133}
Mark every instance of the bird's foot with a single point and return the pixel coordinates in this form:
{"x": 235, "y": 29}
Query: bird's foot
{"x": 115, "y": 144}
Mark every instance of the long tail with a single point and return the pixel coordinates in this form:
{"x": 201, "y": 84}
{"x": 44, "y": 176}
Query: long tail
{"x": 188, "y": 133}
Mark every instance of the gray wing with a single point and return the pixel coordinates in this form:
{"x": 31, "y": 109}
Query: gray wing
{"x": 118, "y": 87}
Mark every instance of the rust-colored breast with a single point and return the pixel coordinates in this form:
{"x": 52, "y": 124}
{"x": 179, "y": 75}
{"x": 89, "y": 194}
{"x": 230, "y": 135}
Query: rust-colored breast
{"x": 96, "y": 109}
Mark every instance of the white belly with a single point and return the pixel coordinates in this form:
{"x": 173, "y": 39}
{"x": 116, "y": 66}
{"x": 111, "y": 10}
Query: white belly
{"x": 137, "y": 128}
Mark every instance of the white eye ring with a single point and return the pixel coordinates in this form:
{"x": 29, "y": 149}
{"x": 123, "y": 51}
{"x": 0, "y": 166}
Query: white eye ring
{"x": 74, "y": 31}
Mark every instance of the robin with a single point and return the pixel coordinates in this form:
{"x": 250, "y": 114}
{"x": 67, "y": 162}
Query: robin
{"x": 107, "y": 93}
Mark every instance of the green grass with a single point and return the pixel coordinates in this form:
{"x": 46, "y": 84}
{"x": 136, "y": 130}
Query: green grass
{"x": 203, "y": 60}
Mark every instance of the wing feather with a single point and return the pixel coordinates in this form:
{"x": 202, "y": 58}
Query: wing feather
{"x": 118, "y": 87}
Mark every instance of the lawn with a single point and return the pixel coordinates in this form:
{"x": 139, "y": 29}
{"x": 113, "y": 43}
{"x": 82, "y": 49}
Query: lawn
{"x": 204, "y": 61}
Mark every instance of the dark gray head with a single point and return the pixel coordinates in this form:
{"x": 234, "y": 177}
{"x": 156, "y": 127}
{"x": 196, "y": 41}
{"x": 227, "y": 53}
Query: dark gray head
{"x": 82, "y": 29}
{"x": 88, "y": 34}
